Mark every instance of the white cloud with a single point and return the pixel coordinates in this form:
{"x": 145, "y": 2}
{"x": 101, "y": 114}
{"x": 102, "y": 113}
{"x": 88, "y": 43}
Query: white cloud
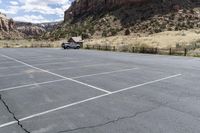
{"x": 14, "y": 3}
{"x": 60, "y": 2}
{"x": 10, "y": 10}
{"x": 41, "y": 7}
{"x": 44, "y": 6}
{"x": 31, "y": 18}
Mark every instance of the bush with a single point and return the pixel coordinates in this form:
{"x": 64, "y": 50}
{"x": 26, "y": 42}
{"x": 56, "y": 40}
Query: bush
{"x": 113, "y": 32}
{"x": 85, "y": 36}
{"x": 104, "y": 34}
{"x": 123, "y": 48}
{"x": 127, "y": 32}
{"x": 115, "y": 19}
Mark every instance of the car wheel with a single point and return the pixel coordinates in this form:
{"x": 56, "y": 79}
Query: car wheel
{"x": 78, "y": 47}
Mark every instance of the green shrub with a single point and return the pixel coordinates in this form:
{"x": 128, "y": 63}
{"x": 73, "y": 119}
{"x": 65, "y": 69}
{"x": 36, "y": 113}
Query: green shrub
{"x": 104, "y": 34}
{"x": 127, "y": 32}
{"x": 113, "y": 32}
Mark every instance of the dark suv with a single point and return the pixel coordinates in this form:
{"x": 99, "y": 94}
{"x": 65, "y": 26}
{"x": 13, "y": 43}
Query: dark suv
{"x": 70, "y": 45}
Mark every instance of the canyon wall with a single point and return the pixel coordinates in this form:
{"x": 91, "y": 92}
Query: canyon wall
{"x": 7, "y": 28}
{"x": 10, "y": 29}
{"x": 6, "y": 24}
{"x": 80, "y": 7}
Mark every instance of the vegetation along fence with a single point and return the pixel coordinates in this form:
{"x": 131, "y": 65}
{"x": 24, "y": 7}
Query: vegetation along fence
{"x": 6, "y": 45}
{"x": 168, "y": 51}
{"x": 124, "y": 48}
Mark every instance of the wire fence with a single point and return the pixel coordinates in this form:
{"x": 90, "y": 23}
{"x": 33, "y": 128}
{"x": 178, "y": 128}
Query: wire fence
{"x": 147, "y": 50}
{"x": 167, "y": 51}
{"x": 6, "y": 45}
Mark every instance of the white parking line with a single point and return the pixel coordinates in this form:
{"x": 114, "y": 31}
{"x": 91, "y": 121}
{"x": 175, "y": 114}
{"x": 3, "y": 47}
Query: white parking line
{"x": 147, "y": 83}
{"x": 84, "y": 66}
{"x": 87, "y": 100}
{"x": 5, "y": 62}
{"x": 17, "y": 74}
{"x": 43, "y": 58}
{"x": 54, "y": 63}
{"x": 49, "y": 58}
{"x": 70, "y": 79}
{"x": 47, "y": 82}
{"x": 66, "y": 68}
{"x": 34, "y": 84}
{"x": 12, "y": 67}
{"x": 104, "y": 73}
{"x": 48, "y": 63}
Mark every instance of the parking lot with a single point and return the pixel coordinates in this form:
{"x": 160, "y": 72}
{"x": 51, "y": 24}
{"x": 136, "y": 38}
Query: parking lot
{"x": 86, "y": 91}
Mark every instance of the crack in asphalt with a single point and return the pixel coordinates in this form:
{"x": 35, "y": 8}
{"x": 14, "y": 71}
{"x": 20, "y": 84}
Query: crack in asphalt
{"x": 15, "y": 118}
{"x": 109, "y": 122}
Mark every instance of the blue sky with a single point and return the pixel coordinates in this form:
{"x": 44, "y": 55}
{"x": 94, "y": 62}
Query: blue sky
{"x": 35, "y": 11}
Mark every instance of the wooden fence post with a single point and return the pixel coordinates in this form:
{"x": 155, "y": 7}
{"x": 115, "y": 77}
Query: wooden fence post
{"x": 156, "y": 50}
{"x": 185, "y": 52}
{"x": 113, "y": 48}
{"x": 152, "y": 51}
{"x": 170, "y": 51}
{"x": 133, "y": 49}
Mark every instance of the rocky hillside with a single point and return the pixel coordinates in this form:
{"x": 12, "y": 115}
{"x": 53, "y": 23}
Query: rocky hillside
{"x": 82, "y": 8}
{"x": 97, "y": 18}
{"x": 10, "y": 29}
{"x": 6, "y": 24}
{"x": 29, "y": 29}
{"x": 88, "y": 7}
{"x": 7, "y": 29}
{"x": 33, "y": 30}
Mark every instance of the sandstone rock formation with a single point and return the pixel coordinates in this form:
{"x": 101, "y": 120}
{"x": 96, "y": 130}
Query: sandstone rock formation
{"x": 32, "y": 30}
{"x": 5, "y": 23}
{"x": 81, "y": 7}
{"x": 29, "y": 29}
{"x": 103, "y": 18}
{"x": 7, "y": 30}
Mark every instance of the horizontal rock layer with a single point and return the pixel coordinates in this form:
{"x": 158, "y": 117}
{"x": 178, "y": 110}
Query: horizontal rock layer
{"x": 81, "y": 7}
{"x": 6, "y": 24}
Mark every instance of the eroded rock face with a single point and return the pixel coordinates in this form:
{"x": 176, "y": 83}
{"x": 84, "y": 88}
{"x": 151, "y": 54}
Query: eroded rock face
{"x": 80, "y": 7}
{"x": 6, "y": 24}
{"x": 31, "y": 29}
{"x": 7, "y": 28}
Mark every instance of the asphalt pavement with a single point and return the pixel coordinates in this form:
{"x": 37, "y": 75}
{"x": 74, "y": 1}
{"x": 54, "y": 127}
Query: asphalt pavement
{"x": 87, "y": 91}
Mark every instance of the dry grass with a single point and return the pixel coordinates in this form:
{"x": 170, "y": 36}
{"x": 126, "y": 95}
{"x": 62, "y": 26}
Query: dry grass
{"x": 29, "y": 43}
{"x": 161, "y": 40}
{"x": 195, "y": 53}
{"x": 169, "y": 39}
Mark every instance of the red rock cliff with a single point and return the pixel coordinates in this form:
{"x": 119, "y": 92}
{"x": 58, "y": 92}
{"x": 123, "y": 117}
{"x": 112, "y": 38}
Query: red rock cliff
{"x": 5, "y": 23}
{"x": 79, "y": 7}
